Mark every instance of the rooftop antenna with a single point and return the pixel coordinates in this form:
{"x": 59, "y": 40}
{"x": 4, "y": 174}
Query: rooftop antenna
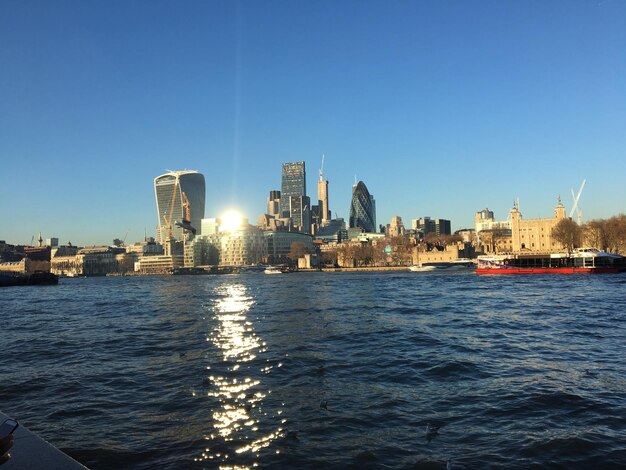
{"x": 575, "y": 207}
{"x": 355, "y": 179}
{"x": 322, "y": 167}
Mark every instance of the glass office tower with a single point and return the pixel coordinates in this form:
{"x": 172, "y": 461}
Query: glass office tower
{"x": 168, "y": 190}
{"x": 294, "y": 202}
{"x": 362, "y": 209}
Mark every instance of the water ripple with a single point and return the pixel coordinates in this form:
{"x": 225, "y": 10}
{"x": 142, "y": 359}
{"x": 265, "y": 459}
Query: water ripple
{"x": 335, "y": 370}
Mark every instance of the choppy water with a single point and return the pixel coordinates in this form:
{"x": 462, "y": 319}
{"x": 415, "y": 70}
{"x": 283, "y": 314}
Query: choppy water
{"x": 319, "y": 370}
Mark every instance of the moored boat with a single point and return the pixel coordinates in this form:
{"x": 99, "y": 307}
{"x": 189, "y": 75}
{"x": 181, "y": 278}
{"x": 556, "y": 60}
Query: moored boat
{"x": 583, "y": 261}
{"x": 418, "y": 268}
{"x": 27, "y": 279}
{"x": 272, "y": 270}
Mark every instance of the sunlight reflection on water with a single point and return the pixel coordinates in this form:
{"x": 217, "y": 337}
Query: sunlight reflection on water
{"x": 237, "y": 422}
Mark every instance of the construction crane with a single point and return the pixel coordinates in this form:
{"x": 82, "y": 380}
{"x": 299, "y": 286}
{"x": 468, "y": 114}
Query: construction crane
{"x": 575, "y": 207}
{"x": 186, "y": 223}
{"x": 168, "y": 221}
{"x": 187, "y": 209}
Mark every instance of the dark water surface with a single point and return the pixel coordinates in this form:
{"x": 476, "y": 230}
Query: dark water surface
{"x": 321, "y": 370}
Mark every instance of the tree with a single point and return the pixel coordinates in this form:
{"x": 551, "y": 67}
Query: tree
{"x": 401, "y": 251}
{"x": 594, "y": 234}
{"x": 615, "y": 231}
{"x": 363, "y": 254}
{"x": 567, "y": 233}
{"x": 298, "y": 250}
{"x": 329, "y": 258}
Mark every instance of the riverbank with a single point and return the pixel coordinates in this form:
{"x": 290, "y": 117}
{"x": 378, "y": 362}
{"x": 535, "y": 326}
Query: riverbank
{"x": 364, "y": 269}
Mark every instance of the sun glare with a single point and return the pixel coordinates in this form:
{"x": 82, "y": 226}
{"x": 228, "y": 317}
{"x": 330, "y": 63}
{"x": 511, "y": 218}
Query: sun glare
{"x": 231, "y": 220}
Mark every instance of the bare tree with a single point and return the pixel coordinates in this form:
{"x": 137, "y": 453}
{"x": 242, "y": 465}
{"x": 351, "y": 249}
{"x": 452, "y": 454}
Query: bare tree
{"x": 615, "y": 230}
{"x": 298, "y": 250}
{"x": 401, "y": 251}
{"x": 567, "y": 233}
{"x": 329, "y": 258}
{"x": 594, "y": 234}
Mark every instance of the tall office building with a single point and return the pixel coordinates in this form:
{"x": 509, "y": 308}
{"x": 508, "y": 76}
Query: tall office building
{"x": 273, "y": 204}
{"x": 442, "y": 227}
{"x": 427, "y": 225}
{"x": 424, "y": 225}
{"x": 362, "y": 209}
{"x": 170, "y": 201}
{"x": 294, "y": 202}
{"x": 322, "y": 197}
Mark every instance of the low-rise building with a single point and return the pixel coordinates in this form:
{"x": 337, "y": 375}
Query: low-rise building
{"x": 445, "y": 254}
{"x": 278, "y": 244}
{"x": 158, "y": 264}
{"x": 204, "y": 250}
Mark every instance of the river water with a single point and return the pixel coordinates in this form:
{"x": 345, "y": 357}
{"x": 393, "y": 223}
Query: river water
{"x": 321, "y": 370}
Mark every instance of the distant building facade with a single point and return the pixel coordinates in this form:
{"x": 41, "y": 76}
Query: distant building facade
{"x": 94, "y": 261}
{"x": 396, "y": 227}
{"x": 169, "y": 189}
{"x": 279, "y": 244}
{"x": 443, "y": 227}
{"x": 362, "y": 209}
{"x": 322, "y": 197}
{"x": 273, "y": 204}
{"x": 294, "y": 203}
{"x": 242, "y": 247}
{"x": 426, "y": 225}
{"x": 485, "y": 220}
{"x": 535, "y": 234}
{"x": 517, "y": 234}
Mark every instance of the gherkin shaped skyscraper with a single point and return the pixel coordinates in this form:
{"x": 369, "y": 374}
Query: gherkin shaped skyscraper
{"x": 362, "y": 209}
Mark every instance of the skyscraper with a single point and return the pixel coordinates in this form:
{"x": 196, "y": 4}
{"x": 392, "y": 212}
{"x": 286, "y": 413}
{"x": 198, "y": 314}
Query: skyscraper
{"x": 173, "y": 191}
{"x": 322, "y": 197}
{"x": 273, "y": 204}
{"x": 294, "y": 202}
{"x": 362, "y": 208}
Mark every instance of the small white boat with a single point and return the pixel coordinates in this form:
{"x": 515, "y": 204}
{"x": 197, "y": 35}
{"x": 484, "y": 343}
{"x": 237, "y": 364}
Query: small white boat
{"x": 420, "y": 268}
{"x": 272, "y": 270}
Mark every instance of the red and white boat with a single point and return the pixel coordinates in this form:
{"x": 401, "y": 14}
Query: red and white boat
{"x": 583, "y": 260}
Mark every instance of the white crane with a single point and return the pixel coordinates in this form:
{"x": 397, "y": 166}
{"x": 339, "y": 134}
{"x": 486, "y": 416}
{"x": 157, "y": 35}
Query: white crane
{"x": 575, "y": 207}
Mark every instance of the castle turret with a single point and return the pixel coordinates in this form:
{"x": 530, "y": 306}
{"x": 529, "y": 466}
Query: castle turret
{"x": 559, "y": 211}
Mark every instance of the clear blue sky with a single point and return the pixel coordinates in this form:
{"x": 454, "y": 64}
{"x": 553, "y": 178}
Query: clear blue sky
{"x": 442, "y": 108}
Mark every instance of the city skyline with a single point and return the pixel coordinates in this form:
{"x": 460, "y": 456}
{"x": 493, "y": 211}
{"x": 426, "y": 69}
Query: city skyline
{"x": 446, "y": 110}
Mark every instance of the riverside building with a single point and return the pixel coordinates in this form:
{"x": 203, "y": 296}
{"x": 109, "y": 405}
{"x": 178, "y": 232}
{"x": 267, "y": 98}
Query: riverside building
{"x": 516, "y": 234}
{"x": 243, "y": 246}
{"x": 535, "y": 234}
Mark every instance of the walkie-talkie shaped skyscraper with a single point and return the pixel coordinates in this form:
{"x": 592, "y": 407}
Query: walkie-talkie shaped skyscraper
{"x": 168, "y": 190}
